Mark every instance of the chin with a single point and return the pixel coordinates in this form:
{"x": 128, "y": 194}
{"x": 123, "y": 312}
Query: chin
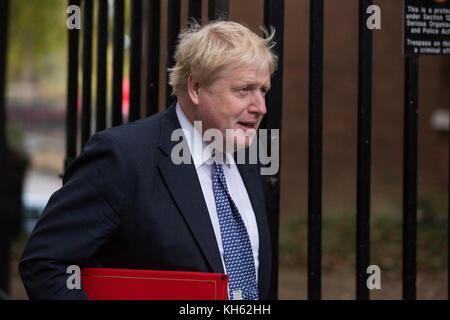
{"x": 240, "y": 139}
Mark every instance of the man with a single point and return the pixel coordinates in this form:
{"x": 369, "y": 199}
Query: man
{"x": 125, "y": 203}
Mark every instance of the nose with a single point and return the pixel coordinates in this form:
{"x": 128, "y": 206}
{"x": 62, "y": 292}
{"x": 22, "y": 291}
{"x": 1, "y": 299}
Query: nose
{"x": 259, "y": 103}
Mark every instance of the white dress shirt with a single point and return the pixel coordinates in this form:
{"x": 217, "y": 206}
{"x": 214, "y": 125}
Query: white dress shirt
{"x": 235, "y": 185}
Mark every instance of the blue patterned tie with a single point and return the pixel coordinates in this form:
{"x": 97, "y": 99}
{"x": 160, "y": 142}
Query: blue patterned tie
{"x": 238, "y": 253}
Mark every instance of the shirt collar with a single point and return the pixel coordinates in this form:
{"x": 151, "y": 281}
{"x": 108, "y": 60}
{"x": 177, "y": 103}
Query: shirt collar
{"x": 197, "y": 140}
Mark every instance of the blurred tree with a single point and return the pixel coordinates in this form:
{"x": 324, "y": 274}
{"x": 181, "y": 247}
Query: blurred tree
{"x": 36, "y": 29}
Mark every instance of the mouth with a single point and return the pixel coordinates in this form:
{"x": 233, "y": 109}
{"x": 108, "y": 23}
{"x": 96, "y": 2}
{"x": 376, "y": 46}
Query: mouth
{"x": 245, "y": 125}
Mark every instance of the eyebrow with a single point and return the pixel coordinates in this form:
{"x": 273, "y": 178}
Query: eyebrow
{"x": 255, "y": 84}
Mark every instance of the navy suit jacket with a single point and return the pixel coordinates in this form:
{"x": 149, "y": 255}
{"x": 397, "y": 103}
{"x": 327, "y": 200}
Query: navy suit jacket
{"x": 125, "y": 204}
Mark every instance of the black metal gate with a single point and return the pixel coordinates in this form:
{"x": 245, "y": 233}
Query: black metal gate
{"x": 145, "y": 24}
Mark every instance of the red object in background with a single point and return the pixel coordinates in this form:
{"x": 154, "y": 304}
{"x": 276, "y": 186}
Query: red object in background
{"x": 126, "y": 284}
{"x": 125, "y": 99}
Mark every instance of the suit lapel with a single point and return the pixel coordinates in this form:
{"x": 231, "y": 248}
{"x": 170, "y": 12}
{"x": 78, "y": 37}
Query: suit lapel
{"x": 182, "y": 182}
{"x": 255, "y": 192}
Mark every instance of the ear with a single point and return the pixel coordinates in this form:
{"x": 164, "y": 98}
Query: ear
{"x": 193, "y": 85}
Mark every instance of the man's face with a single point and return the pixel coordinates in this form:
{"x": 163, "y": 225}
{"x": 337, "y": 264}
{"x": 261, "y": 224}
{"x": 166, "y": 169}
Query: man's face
{"x": 235, "y": 101}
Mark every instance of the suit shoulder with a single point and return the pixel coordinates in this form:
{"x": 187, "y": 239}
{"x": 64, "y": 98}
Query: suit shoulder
{"x": 131, "y": 137}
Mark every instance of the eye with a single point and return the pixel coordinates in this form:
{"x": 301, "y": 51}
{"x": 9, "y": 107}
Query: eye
{"x": 243, "y": 91}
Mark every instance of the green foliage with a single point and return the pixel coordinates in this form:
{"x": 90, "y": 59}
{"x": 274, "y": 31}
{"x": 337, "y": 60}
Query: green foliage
{"x": 36, "y": 29}
{"x": 16, "y": 139}
{"x": 339, "y": 241}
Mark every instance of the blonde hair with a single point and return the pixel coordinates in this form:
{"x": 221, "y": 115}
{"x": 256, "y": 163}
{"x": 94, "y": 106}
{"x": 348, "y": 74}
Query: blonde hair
{"x": 207, "y": 50}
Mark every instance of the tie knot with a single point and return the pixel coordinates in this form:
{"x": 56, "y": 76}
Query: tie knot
{"x": 219, "y": 176}
{"x": 218, "y": 168}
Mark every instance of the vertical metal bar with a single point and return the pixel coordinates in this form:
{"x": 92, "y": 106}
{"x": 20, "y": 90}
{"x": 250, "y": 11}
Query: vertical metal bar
{"x": 195, "y": 10}
{"x": 410, "y": 178}
{"x": 218, "y": 9}
{"x": 5, "y": 215}
{"x": 274, "y": 16}
{"x": 153, "y": 18}
{"x": 102, "y": 40}
{"x": 72, "y": 93}
{"x": 117, "y": 62}
{"x": 135, "y": 59}
{"x": 4, "y": 10}
{"x": 363, "y": 153}
{"x": 315, "y": 150}
{"x": 173, "y": 29}
{"x": 87, "y": 72}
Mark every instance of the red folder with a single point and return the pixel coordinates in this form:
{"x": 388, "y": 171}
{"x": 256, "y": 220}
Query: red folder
{"x": 126, "y": 284}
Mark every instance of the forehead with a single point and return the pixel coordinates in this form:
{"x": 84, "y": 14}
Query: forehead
{"x": 258, "y": 74}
